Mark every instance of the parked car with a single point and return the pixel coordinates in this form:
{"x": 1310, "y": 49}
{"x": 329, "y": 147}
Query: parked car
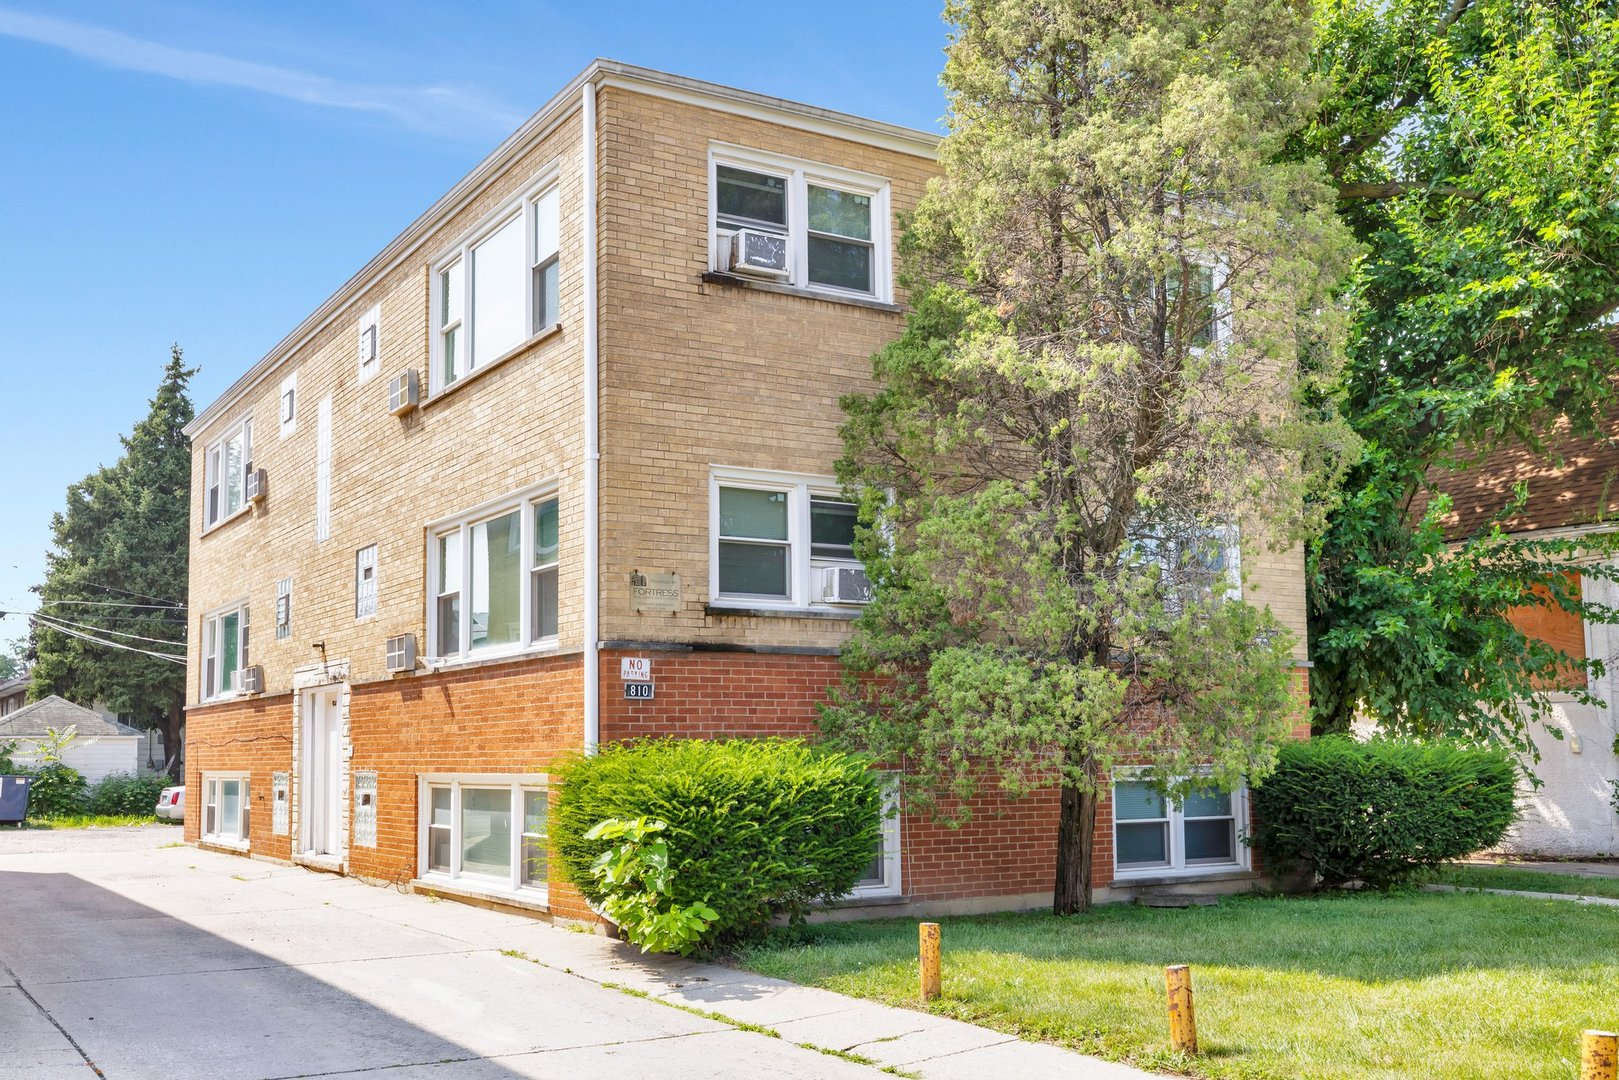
{"x": 171, "y": 804}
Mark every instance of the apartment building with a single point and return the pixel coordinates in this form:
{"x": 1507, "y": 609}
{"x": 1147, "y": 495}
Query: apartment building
{"x": 554, "y": 470}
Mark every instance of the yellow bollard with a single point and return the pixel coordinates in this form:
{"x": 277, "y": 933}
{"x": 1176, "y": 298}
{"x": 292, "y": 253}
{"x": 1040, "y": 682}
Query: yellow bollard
{"x": 1182, "y": 1024}
{"x": 1599, "y": 1050}
{"x": 929, "y": 939}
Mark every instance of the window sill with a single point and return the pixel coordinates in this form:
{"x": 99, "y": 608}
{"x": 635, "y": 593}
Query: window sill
{"x": 714, "y": 277}
{"x": 1182, "y": 877}
{"x": 720, "y": 608}
{"x": 209, "y": 530}
{"x": 475, "y": 374}
{"x": 528, "y": 899}
{"x": 223, "y": 844}
{"x": 501, "y": 656}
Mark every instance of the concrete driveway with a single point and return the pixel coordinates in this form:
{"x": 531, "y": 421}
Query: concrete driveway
{"x": 126, "y": 955}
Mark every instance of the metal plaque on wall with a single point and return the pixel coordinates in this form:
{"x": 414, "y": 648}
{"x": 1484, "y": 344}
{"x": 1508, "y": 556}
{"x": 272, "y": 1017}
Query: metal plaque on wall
{"x": 654, "y": 592}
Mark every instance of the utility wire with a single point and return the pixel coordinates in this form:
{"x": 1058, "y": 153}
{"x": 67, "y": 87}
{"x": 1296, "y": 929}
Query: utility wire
{"x": 114, "y": 603}
{"x": 109, "y": 630}
{"x": 171, "y": 657}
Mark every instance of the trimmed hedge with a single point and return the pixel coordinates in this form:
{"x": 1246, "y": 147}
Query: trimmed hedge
{"x": 755, "y": 828}
{"x": 1378, "y": 812}
{"x": 125, "y": 793}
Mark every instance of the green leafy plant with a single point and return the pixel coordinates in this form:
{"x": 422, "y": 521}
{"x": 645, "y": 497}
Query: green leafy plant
{"x": 7, "y": 765}
{"x": 637, "y": 894}
{"x": 57, "y": 790}
{"x": 1379, "y": 812}
{"x": 751, "y": 829}
{"x": 125, "y": 793}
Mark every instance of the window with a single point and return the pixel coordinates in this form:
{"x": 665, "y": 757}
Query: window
{"x": 1196, "y": 563}
{"x": 834, "y": 221}
{"x": 226, "y": 811}
{"x": 227, "y": 464}
{"x": 289, "y": 405}
{"x": 772, "y": 531}
{"x": 365, "y": 582}
{"x": 283, "y": 609}
{"x": 224, "y": 651}
{"x": 882, "y": 876}
{"x": 369, "y": 344}
{"x": 497, "y": 288}
{"x": 485, "y": 832}
{"x": 494, "y": 578}
{"x": 1200, "y": 322}
{"x": 323, "y": 469}
{"x": 1151, "y": 833}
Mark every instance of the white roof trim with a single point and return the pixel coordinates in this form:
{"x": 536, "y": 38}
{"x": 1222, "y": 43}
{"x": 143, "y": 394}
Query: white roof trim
{"x": 549, "y": 117}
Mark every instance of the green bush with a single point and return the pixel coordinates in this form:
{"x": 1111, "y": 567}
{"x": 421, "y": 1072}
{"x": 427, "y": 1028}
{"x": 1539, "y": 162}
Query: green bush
{"x": 126, "y": 793}
{"x": 57, "y": 790}
{"x": 754, "y": 829}
{"x": 1381, "y": 811}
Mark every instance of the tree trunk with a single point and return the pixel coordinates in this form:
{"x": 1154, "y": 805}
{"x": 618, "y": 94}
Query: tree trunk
{"x": 173, "y": 720}
{"x": 1075, "y": 825}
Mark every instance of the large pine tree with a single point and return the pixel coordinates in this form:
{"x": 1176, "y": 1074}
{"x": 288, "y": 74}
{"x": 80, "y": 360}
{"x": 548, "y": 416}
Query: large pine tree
{"x": 112, "y": 608}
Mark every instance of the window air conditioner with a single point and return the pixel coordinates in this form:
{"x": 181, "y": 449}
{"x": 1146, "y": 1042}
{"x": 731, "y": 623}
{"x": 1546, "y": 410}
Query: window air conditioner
{"x": 257, "y": 485}
{"x": 759, "y": 254}
{"x": 842, "y": 585}
{"x": 250, "y": 680}
{"x": 401, "y": 654}
{"x": 403, "y": 392}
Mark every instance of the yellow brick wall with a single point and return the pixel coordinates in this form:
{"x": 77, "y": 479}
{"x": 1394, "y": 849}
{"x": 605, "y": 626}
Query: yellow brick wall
{"x": 511, "y": 427}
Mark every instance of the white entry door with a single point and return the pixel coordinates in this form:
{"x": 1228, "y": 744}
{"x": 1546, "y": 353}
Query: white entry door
{"x": 321, "y": 825}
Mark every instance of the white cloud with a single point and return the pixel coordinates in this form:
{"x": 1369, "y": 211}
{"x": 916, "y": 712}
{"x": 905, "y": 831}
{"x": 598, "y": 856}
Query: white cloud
{"x": 438, "y": 109}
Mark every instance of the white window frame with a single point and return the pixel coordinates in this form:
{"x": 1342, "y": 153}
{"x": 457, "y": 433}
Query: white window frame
{"x": 525, "y": 205}
{"x": 210, "y": 799}
{"x": 801, "y": 489}
{"x": 287, "y": 405}
{"x": 516, "y": 784}
{"x": 524, "y": 503}
{"x": 365, "y": 588}
{"x": 368, "y": 344}
{"x": 283, "y": 609}
{"x": 213, "y": 685}
{"x": 1176, "y": 866}
{"x": 214, "y": 513}
{"x": 890, "y": 883}
{"x": 800, "y": 175}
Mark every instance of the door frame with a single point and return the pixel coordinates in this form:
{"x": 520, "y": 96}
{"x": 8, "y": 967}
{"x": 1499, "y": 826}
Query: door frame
{"x": 321, "y": 772}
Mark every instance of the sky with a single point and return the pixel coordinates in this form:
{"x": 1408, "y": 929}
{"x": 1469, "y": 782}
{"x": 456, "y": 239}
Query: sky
{"x": 204, "y": 174}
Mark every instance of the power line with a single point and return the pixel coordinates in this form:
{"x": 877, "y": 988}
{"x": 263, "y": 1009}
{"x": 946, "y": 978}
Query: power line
{"x": 171, "y": 657}
{"x": 126, "y": 592}
{"x": 114, "y": 603}
{"x": 110, "y": 630}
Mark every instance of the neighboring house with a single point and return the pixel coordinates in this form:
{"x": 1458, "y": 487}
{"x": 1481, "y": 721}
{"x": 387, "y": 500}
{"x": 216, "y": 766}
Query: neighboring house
{"x": 100, "y": 747}
{"x": 13, "y": 692}
{"x": 151, "y": 755}
{"x": 555, "y": 469}
{"x": 1573, "y": 491}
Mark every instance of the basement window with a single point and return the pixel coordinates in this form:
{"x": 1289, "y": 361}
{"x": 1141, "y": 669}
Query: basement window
{"x": 485, "y": 832}
{"x": 225, "y": 813}
{"x": 1152, "y": 834}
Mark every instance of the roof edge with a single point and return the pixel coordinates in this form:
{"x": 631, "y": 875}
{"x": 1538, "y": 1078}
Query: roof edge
{"x": 547, "y": 118}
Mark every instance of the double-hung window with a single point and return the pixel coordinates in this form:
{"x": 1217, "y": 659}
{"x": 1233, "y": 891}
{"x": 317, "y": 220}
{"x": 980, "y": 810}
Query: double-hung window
{"x": 224, "y": 650}
{"x": 1197, "y": 301}
{"x": 225, "y": 808}
{"x": 1154, "y": 834}
{"x": 227, "y": 464}
{"x": 1196, "y": 564}
{"x": 485, "y": 832}
{"x": 771, "y": 532}
{"x": 494, "y": 577}
{"x": 497, "y": 288}
{"x": 833, "y": 222}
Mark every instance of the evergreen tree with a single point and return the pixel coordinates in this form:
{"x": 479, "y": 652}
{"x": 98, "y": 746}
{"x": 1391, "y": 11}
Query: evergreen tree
{"x": 1121, "y": 296}
{"x": 112, "y": 608}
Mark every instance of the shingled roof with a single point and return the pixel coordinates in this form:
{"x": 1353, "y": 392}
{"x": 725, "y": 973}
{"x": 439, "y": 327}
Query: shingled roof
{"x": 30, "y": 721}
{"x": 1574, "y": 481}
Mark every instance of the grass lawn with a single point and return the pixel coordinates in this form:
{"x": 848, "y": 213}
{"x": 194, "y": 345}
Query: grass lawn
{"x": 1442, "y": 985}
{"x": 1510, "y": 877}
{"x": 91, "y": 821}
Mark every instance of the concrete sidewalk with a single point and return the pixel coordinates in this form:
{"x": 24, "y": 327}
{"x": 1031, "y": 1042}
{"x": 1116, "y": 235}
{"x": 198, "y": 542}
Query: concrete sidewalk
{"x": 126, "y": 958}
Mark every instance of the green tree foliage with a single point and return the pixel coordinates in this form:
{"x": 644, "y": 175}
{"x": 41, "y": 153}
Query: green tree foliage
{"x": 1122, "y": 305}
{"x": 117, "y": 574}
{"x": 1381, "y": 811}
{"x": 1476, "y": 153}
{"x": 14, "y": 659}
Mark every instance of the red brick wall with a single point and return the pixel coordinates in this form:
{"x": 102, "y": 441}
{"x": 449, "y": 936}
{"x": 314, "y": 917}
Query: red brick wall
{"x": 241, "y": 736}
{"x": 508, "y": 718}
